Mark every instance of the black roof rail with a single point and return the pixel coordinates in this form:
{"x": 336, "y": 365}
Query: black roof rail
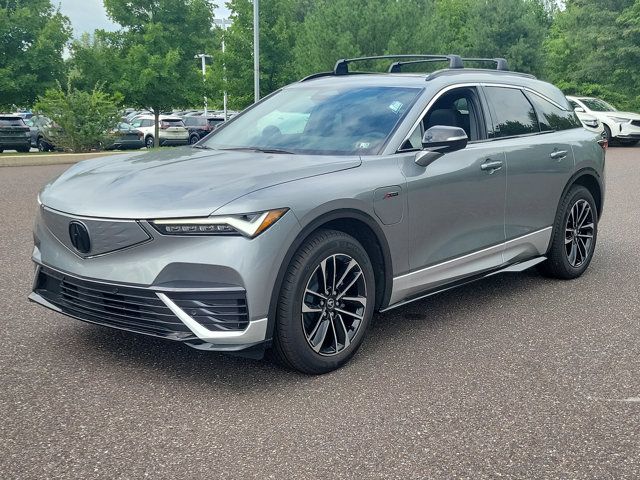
{"x": 316, "y": 75}
{"x": 501, "y": 63}
{"x": 342, "y": 65}
{"x": 448, "y": 71}
{"x": 396, "y": 67}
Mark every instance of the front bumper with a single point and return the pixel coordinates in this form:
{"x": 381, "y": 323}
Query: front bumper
{"x": 164, "y": 278}
{"x": 212, "y": 319}
{"x": 628, "y": 131}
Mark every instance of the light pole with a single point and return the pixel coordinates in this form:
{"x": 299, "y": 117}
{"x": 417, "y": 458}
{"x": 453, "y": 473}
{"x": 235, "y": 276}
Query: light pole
{"x": 223, "y": 23}
{"x": 203, "y": 57}
{"x": 256, "y": 50}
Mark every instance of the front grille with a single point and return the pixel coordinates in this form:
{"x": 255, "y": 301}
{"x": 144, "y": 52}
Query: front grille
{"x": 139, "y": 309}
{"x": 635, "y": 123}
{"x": 220, "y": 310}
{"x": 129, "y": 308}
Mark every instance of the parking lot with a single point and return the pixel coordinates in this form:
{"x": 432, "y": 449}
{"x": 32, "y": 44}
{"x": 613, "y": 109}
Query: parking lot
{"x": 515, "y": 376}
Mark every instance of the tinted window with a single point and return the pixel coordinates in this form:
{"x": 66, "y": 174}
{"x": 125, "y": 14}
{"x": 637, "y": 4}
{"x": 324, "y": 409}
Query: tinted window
{"x": 553, "y": 118}
{"x": 514, "y": 114}
{"x": 147, "y": 123}
{"x": 11, "y": 122}
{"x": 170, "y": 122}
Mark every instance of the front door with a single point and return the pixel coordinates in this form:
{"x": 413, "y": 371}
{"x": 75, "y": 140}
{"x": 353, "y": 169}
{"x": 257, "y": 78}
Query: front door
{"x": 457, "y": 203}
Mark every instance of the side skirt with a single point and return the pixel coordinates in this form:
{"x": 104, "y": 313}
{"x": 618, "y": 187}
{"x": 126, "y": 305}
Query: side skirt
{"x": 515, "y": 268}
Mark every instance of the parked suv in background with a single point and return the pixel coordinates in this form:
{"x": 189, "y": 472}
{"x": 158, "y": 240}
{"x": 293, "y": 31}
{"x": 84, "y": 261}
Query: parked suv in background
{"x": 335, "y": 197}
{"x": 40, "y": 127}
{"x": 171, "y": 132}
{"x": 14, "y": 133}
{"x": 200, "y": 126}
{"x": 623, "y": 127}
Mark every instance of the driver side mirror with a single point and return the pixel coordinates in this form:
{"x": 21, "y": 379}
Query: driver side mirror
{"x": 438, "y": 140}
{"x": 579, "y": 109}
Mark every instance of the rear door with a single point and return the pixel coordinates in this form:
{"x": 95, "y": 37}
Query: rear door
{"x": 535, "y": 134}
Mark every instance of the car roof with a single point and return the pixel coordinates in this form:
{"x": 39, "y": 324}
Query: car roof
{"x": 435, "y": 81}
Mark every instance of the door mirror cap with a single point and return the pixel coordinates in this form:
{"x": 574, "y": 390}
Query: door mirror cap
{"x": 444, "y": 139}
{"x": 579, "y": 110}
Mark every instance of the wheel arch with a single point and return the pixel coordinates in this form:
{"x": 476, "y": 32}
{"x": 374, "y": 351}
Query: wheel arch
{"x": 363, "y": 228}
{"x": 591, "y": 180}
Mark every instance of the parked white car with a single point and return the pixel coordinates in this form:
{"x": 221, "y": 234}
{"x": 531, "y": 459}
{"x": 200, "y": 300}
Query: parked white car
{"x": 171, "y": 132}
{"x": 623, "y": 127}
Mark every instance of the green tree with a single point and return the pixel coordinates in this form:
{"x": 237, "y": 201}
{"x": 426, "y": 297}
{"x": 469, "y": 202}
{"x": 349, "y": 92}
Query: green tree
{"x": 95, "y": 58}
{"x": 156, "y": 56}
{"x": 32, "y": 37}
{"x": 592, "y": 49}
{"x": 82, "y": 119}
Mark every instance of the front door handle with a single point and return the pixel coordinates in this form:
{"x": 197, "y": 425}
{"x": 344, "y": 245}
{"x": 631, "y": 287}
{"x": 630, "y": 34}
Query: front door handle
{"x": 491, "y": 166}
{"x": 558, "y": 154}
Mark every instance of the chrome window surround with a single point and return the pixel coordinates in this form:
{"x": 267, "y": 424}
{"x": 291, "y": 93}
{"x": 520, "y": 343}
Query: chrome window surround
{"x": 448, "y": 88}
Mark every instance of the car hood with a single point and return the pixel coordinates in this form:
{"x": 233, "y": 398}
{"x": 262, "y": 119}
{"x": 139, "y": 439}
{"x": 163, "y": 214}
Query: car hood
{"x": 629, "y": 115}
{"x": 178, "y": 182}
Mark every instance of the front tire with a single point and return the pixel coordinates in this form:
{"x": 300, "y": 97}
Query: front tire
{"x": 193, "y": 139}
{"x": 326, "y": 303}
{"x": 575, "y": 232}
{"x": 148, "y": 142}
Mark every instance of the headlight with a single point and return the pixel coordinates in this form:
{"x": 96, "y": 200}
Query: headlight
{"x": 591, "y": 123}
{"x": 619, "y": 119}
{"x": 250, "y": 224}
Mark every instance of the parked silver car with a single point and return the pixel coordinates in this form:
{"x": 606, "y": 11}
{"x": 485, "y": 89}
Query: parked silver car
{"x": 332, "y": 198}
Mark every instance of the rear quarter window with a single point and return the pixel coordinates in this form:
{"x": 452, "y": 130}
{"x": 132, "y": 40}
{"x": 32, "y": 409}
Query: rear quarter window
{"x": 553, "y": 118}
{"x": 514, "y": 113}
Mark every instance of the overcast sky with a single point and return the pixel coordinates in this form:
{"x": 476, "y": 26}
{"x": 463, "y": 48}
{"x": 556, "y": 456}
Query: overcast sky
{"x": 88, "y": 15}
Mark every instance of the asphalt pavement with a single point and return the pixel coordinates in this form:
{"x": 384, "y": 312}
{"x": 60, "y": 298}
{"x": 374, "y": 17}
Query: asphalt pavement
{"x": 516, "y": 376}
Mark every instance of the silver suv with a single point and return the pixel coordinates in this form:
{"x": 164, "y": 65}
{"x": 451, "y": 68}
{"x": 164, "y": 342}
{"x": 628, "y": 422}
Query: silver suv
{"x": 330, "y": 199}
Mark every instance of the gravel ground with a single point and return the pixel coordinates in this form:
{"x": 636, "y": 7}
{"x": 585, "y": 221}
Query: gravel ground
{"x": 515, "y": 376}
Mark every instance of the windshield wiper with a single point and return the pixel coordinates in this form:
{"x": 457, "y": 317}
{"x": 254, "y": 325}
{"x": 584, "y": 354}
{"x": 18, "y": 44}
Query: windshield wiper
{"x": 202, "y": 147}
{"x": 259, "y": 149}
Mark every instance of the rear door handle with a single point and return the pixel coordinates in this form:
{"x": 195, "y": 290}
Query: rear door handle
{"x": 558, "y": 154}
{"x": 491, "y": 166}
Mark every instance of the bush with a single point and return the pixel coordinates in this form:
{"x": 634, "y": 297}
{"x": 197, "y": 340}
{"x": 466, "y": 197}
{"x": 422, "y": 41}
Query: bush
{"x": 82, "y": 119}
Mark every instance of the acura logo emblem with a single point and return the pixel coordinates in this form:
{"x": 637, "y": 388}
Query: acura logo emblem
{"x": 79, "y": 236}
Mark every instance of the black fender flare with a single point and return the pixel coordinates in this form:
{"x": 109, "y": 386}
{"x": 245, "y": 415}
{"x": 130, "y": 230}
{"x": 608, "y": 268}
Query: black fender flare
{"x": 327, "y": 217}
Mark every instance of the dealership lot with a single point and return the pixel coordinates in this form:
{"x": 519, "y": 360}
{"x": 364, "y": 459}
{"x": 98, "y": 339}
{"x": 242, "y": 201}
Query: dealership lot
{"x": 517, "y": 376}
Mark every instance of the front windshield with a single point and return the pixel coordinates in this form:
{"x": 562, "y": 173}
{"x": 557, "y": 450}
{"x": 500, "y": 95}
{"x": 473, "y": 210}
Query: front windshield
{"x": 317, "y": 120}
{"x": 597, "y": 105}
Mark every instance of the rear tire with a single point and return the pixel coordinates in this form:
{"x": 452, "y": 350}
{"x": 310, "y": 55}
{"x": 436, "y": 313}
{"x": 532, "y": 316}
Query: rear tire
{"x": 193, "y": 139}
{"x": 319, "y": 332}
{"x": 43, "y": 146}
{"x": 575, "y": 232}
{"x": 23, "y": 149}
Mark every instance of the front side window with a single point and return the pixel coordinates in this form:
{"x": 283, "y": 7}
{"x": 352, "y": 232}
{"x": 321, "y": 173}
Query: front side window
{"x": 348, "y": 120}
{"x": 514, "y": 113}
{"x": 457, "y": 108}
{"x": 553, "y": 118}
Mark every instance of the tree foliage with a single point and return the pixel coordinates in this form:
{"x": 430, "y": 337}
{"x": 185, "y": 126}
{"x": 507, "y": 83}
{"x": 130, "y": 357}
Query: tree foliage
{"x": 32, "y": 37}
{"x": 82, "y": 119}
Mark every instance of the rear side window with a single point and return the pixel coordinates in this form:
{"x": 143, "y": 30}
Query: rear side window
{"x": 553, "y": 118}
{"x": 514, "y": 113}
{"x": 11, "y": 122}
